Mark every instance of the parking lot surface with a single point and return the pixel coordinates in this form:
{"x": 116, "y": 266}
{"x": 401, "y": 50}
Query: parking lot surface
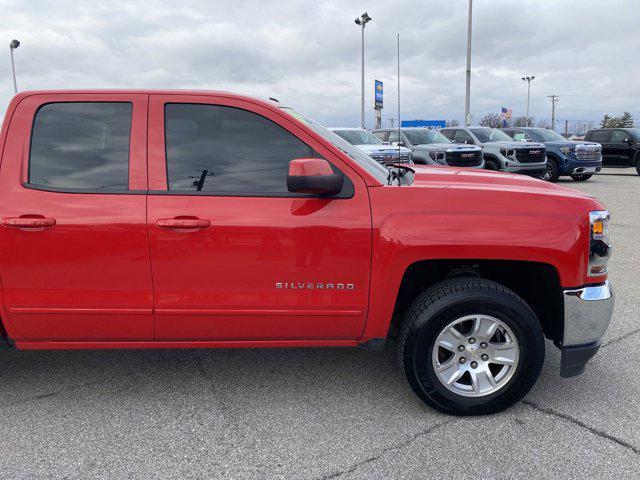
{"x": 324, "y": 413}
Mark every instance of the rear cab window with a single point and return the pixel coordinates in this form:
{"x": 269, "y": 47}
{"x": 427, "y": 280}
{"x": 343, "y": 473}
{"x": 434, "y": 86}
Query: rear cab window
{"x": 599, "y": 136}
{"x": 81, "y": 146}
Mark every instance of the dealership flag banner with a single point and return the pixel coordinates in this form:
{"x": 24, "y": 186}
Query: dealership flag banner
{"x": 506, "y": 116}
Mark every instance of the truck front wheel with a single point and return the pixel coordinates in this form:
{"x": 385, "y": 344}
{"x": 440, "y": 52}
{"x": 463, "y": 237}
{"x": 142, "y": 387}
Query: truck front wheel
{"x": 471, "y": 346}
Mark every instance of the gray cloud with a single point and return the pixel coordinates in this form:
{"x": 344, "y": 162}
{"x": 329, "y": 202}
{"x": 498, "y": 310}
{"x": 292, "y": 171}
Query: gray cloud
{"x": 307, "y": 53}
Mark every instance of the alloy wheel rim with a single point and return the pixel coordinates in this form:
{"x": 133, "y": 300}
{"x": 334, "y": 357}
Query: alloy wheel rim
{"x": 475, "y": 355}
{"x": 549, "y": 172}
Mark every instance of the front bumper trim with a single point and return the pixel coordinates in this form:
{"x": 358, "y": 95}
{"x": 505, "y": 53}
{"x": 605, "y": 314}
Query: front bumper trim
{"x": 587, "y": 313}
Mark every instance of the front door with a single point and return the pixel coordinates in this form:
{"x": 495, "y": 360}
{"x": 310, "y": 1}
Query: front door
{"x": 621, "y": 147}
{"x": 75, "y": 257}
{"x": 235, "y": 256}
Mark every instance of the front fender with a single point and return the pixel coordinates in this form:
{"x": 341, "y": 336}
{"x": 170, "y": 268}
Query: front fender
{"x": 470, "y": 225}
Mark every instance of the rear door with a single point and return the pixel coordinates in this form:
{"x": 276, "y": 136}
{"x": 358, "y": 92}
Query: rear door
{"x": 75, "y": 257}
{"x": 236, "y": 256}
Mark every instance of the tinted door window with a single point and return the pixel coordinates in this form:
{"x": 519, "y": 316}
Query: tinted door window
{"x": 600, "y": 136}
{"x": 382, "y": 135}
{"x": 211, "y": 148}
{"x": 462, "y": 137}
{"x": 520, "y": 136}
{"x": 620, "y": 136}
{"x": 81, "y": 146}
{"x": 393, "y": 137}
{"x": 448, "y": 133}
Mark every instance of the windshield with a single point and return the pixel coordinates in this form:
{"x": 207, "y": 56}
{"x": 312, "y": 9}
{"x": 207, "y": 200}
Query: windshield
{"x": 422, "y": 136}
{"x": 546, "y": 135}
{"x": 490, "y": 135}
{"x": 358, "y": 137}
{"x": 368, "y": 163}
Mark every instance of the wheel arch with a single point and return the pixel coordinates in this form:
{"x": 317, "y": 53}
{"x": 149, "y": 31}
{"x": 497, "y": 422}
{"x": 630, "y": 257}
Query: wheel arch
{"x": 537, "y": 283}
{"x": 492, "y": 157}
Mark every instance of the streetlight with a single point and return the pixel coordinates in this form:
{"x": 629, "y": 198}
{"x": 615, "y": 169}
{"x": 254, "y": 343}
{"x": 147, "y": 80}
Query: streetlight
{"x": 467, "y": 98}
{"x": 12, "y": 46}
{"x": 528, "y": 80}
{"x": 362, "y": 21}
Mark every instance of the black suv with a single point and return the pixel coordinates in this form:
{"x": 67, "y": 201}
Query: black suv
{"x": 620, "y": 146}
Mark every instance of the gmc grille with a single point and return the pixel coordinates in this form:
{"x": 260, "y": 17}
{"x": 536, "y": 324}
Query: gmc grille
{"x": 530, "y": 155}
{"x": 464, "y": 159}
{"x": 589, "y": 153}
{"x": 404, "y": 158}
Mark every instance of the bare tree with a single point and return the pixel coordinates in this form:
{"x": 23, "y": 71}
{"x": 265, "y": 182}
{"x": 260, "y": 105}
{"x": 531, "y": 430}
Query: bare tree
{"x": 452, "y": 123}
{"x": 491, "y": 120}
{"x": 523, "y": 121}
{"x": 543, "y": 123}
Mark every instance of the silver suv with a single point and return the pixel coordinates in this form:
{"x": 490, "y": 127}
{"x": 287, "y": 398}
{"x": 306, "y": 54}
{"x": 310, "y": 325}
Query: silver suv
{"x": 500, "y": 151}
{"x": 430, "y": 147}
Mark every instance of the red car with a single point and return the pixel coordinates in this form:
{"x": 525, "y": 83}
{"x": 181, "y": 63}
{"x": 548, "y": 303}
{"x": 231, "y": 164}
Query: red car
{"x": 162, "y": 219}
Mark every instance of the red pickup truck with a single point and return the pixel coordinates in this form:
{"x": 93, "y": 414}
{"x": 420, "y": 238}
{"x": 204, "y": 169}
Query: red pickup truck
{"x": 164, "y": 219}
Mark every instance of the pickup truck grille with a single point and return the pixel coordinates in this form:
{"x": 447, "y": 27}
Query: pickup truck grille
{"x": 464, "y": 159}
{"x": 589, "y": 153}
{"x": 391, "y": 158}
{"x": 530, "y": 155}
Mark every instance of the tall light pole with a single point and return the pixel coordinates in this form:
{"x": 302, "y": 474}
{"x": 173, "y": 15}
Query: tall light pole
{"x": 554, "y": 101}
{"x": 362, "y": 21}
{"x": 467, "y": 98}
{"x": 528, "y": 80}
{"x": 12, "y": 46}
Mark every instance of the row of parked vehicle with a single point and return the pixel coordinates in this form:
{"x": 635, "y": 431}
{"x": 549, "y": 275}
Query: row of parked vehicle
{"x": 539, "y": 152}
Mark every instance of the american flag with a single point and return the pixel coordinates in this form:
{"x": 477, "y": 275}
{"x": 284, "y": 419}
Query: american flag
{"x": 506, "y": 116}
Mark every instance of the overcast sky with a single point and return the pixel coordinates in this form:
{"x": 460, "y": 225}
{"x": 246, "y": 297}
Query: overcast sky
{"x": 307, "y": 53}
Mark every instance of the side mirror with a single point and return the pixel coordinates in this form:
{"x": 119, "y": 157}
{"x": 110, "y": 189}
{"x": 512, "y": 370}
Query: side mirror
{"x": 399, "y": 144}
{"x": 313, "y": 175}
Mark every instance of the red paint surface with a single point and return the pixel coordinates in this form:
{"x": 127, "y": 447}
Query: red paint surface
{"x": 178, "y": 271}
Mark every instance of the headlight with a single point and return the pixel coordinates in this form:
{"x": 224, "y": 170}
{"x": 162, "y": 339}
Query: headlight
{"x": 507, "y": 152}
{"x": 437, "y": 156}
{"x": 568, "y": 151}
{"x": 599, "y": 246}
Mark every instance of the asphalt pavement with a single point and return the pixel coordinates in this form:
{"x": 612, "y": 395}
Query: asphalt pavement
{"x": 324, "y": 413}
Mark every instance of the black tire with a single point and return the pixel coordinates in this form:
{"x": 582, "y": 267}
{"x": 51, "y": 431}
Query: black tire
{"x": 581, "y": 177}
{"x": 638, "y": 164}
{"x": 491, "y": 165}
{"x": 434, "y": 309}
{"x": 552, "y": 173}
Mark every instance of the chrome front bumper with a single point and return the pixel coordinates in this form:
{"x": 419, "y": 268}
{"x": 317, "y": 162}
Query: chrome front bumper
{"x": 587, "y": 313}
